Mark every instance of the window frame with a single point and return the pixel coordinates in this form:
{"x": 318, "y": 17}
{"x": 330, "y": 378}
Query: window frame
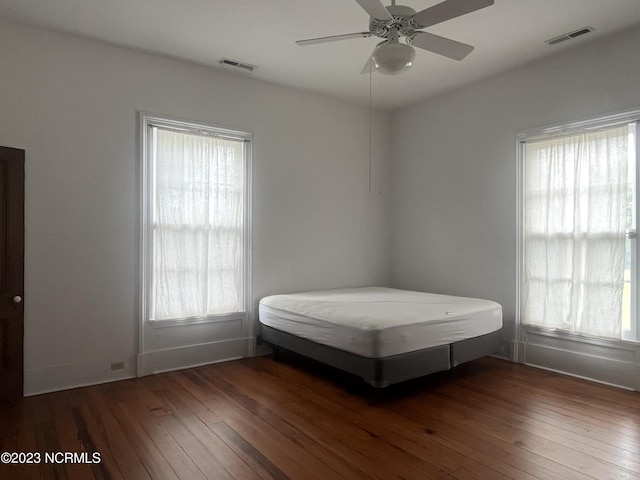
{"x": 147, "y": 122}
{"x": 554, "y": 131}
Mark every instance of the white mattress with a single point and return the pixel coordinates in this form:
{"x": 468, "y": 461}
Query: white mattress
{"x": 378, "y": 322}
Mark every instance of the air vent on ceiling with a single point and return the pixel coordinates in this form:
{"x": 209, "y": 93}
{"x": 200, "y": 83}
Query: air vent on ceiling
{"x": 239, "y": 65}
{"x": 570, "y": 35}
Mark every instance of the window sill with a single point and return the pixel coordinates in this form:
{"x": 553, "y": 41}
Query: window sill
{"x": 576, "y": 337}
{"x": 185, "y": 322}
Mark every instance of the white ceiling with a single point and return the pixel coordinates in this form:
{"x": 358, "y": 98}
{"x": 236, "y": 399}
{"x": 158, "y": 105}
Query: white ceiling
{"x": 260, "y": 32}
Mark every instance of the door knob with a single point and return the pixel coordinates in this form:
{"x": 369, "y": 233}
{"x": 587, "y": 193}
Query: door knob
{"x": 17, "y": 299}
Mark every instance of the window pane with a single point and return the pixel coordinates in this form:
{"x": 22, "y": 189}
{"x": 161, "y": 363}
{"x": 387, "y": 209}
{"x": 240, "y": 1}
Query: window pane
{"x": 575, "y": 198}
{"x": 198, "y": 230}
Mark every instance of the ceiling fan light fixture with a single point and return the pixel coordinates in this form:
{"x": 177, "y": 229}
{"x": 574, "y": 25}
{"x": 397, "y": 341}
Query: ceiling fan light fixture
{"x": 393, "y": 58}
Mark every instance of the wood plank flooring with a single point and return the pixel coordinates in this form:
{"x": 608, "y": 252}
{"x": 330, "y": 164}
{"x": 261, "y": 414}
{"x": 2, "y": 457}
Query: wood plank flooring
{"x": 260, "y": 419}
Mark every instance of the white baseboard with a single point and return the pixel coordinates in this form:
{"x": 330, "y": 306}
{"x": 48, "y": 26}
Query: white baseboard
{"x": 611, "y": 365}
{"x": 508, "y": 351}
{"x": 193, "y": 355}
{"x": 63, "y": 377}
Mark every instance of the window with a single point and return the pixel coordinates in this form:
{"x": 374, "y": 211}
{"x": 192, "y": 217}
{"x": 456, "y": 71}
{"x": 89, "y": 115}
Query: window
{"x": 578, "y": 241}
{"x": 195, "y": 216}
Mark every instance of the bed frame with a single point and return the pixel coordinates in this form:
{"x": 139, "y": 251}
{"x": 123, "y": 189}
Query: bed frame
{"x": 382, "y": 372}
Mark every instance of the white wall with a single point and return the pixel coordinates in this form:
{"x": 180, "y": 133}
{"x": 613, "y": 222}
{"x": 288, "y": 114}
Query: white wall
{"x": 72, "y": 104}
{"x": 453, "y": 173}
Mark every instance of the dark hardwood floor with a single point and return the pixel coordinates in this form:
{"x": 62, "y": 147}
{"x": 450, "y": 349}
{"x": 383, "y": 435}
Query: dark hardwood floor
{"x": 260, "y": 419}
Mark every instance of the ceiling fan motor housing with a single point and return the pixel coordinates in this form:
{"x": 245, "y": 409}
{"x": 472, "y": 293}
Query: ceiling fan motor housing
{"x": 402, "y": 21}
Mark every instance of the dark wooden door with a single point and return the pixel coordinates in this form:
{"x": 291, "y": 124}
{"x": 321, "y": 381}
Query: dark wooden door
{"x": 11, "y": 273}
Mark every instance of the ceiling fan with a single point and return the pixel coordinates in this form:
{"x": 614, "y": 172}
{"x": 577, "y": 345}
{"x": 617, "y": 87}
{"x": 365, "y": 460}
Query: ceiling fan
{"x": 395, "y": 21}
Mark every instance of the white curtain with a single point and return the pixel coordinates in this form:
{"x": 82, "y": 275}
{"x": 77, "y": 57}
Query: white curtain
{"x": 198, "y": 225}
{"x": 574, "y": 232}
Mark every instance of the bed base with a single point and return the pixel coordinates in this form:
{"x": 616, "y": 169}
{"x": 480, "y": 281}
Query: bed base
{"x": 382, "y": 372}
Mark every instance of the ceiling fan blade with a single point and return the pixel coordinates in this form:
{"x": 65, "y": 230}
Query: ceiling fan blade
{"x": 375, "y": 9}
{"x": 440, "y": 45}
{"x": 447, "y": 10}
{"x": 333, "y": 38}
